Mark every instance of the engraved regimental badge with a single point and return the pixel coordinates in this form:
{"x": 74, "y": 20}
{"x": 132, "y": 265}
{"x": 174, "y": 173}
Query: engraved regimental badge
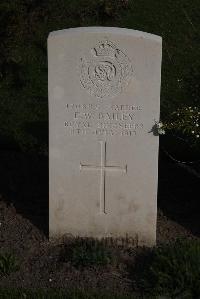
{"x": 105, "y": 71}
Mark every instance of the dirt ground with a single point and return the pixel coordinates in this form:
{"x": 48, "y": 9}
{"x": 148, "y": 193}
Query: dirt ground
{"x": 23, "y": 227}
{"x": 39, "y": 258}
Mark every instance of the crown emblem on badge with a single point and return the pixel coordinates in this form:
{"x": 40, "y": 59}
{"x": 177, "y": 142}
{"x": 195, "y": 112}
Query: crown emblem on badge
{"x": 104, "y": 49}
{"x": 105, "y": 70}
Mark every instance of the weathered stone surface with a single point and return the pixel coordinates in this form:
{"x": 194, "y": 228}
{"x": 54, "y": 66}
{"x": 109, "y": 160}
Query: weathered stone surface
{"x": 104, "y": 90}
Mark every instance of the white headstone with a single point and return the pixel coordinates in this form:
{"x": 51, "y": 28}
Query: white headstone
{"x": 104, "y": 99}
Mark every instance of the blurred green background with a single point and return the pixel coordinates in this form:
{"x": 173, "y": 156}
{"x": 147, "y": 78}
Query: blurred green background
{"x": 24, "y": 28}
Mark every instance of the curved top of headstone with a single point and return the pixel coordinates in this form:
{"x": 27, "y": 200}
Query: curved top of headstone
{"x": 113, "y": 30}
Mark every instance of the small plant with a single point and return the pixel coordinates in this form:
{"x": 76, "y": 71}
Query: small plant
{"x": 86, "y": 252}
{"x": 185, "y": 121}
{"x": 170, "y": 270}
{"x": 8, "y": 264}
{"x": 158, "y": 128}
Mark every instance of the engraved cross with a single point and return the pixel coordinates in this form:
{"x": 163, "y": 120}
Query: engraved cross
{"x": 103, "y": 168}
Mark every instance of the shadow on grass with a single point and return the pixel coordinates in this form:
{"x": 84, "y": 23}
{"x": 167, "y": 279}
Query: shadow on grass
{"x": 178, "y": 192}
{"x": 24, "y": 183}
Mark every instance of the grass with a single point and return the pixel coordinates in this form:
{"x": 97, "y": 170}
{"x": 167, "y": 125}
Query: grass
{"x": 163, "y": 272}
{"x": 8, "y": 264}
{"x": 86, "y": 252}
{"x": 59, "y": 294}
{"x": 172, "y": 270}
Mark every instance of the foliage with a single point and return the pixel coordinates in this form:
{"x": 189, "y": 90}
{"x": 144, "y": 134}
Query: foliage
{"x": 8, "y": 264}
{"x": 186, "y": 122}
{"x": 86, "y": 252}
{"x": 172, "y": 270}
